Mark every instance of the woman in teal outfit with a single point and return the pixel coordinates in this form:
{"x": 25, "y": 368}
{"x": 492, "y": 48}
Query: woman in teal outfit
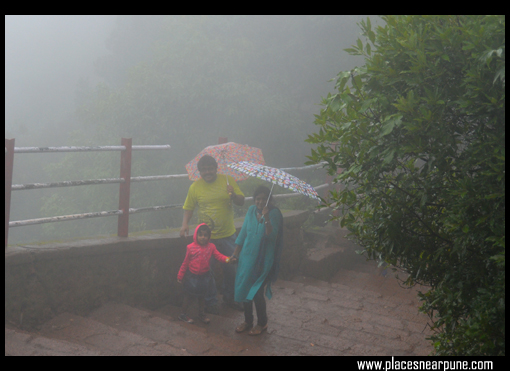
{"x": 258, "y": 250}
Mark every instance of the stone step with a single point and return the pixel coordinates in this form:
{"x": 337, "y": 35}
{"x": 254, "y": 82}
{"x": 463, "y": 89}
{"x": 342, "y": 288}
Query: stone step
{"x": 351, "y": 320}
{"x": 224, "y": 325}
{"x": 385, "y": 302}
{"x": 306, "y": 317}
{"x": 23, "y": 343}
{"x": 358, "y": 312}
{"x": 333, "y": 234}
{"x": 163, "y": 327}
{"x": 313, "y": 317}
{"x": 104, "y": 339}
{"x": 331, "y": 250}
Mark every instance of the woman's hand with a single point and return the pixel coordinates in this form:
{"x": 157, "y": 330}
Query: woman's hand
{"x": 235, "y": 256}
{"x": 267, "y": 222}
{"x": 265, "y": 212}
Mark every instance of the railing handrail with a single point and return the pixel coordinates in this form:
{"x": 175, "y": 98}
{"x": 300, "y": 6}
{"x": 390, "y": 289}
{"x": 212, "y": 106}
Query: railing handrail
{"x": 61, "y": 218}
{"x": 122, "y": 180}
{"x": 99, "y": 214}
{"x": 86, "y": 149}
{"x": 72, "y": 183}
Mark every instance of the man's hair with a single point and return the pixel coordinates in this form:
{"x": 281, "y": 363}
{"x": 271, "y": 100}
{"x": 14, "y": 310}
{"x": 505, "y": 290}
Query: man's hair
{"x": 205, "y": 228}
{"x": 206, "y": 160}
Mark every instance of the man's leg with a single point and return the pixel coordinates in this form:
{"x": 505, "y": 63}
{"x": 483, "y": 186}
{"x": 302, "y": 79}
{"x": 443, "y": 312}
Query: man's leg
{"x": 226, "y": 246}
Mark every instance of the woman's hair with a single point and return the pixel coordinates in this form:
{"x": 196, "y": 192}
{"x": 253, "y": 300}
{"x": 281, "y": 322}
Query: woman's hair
{"x": 204, "y": 228}
{"x": 206, "y": 160}
{"x": 263, "y": 189}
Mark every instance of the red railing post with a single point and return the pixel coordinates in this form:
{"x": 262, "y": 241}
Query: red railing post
{"x": 222, "y": 140}
{"x": 124, "y": 189}
{"x": 9, "y": 166}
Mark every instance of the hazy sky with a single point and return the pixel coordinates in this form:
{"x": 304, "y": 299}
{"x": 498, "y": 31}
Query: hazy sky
{"x": 45, "y": 56}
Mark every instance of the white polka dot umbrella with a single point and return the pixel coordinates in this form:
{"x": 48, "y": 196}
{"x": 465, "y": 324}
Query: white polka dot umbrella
{"x": 275, "y": 176}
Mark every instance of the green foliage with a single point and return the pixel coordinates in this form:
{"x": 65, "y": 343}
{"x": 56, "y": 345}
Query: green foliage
{"x": 419, "y": 130}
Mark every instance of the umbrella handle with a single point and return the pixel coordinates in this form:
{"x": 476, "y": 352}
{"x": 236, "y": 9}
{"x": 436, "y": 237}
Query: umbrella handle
{"x": 262, "y": 219}
{"x": 269, "y": 194}
{"x": 226, "y": 176}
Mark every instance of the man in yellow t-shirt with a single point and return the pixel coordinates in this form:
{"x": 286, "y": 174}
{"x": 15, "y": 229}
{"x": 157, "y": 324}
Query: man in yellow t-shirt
{"x": 214, "y": 194}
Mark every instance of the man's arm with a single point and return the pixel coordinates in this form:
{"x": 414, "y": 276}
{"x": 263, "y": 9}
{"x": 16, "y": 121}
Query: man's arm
{"x": 237, "y": 199}
{"x": 185, "y": 220}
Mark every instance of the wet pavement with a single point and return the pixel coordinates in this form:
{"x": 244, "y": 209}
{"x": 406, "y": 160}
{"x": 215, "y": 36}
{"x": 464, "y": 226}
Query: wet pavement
{"x": 358, "y": 312}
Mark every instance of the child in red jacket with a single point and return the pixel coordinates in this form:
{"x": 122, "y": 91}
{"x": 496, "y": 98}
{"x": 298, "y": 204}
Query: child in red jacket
{"x": 195, "y": 274}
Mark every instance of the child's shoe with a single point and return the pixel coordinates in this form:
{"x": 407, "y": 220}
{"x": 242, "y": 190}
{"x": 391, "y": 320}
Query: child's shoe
{"x": 203, "y": 318}
{"x": 183, "y": 317}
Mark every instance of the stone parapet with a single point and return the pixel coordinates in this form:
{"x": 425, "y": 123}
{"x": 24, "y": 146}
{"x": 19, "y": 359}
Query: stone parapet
{"x": 42, "y": 281}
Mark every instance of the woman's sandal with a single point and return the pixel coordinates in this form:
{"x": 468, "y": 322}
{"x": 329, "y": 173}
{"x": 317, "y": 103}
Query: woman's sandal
{"x": 185, "y": 318}
{"x": 204, "y": 319}
{"x": 257, "y": 330}
{"x": 243, "y": 327}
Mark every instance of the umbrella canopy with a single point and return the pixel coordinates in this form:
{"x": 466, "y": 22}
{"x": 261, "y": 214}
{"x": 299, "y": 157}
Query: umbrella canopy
{"x": 276, "y": 176}
{"x": 226, "y": 153}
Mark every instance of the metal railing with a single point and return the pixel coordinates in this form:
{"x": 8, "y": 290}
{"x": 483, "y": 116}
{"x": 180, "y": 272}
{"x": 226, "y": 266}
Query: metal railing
{"x": 124, "y": 182}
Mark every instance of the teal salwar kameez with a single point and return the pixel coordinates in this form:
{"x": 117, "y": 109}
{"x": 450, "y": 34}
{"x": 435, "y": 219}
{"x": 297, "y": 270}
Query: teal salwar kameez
{"x": 257, "y": 257}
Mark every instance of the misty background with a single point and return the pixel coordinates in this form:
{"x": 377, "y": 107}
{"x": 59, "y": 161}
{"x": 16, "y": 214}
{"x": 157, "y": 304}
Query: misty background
{"x": 180, "y": 80}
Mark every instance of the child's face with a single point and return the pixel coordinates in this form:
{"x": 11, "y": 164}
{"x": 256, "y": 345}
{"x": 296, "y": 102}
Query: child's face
{"x": 202, "y": 237}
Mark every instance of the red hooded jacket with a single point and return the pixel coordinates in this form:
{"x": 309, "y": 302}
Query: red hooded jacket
{"x": 198, "y": 257}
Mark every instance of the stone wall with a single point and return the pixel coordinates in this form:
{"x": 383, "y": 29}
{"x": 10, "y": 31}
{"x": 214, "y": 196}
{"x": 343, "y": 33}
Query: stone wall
{"x": 77, "y": 277}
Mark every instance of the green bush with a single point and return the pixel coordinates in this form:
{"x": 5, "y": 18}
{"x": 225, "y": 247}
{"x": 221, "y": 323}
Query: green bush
{"x": 420, "y": 132}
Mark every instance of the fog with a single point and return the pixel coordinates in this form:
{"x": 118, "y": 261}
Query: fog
{"x": 45, "y": 57}
{"x": 178, "y": 80}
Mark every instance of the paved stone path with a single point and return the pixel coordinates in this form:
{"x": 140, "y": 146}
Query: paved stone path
{"x": 359, "y": 312}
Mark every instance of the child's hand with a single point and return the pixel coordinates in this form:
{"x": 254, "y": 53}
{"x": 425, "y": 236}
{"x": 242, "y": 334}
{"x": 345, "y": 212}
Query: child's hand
{"x": 179, "y": 281}
{"x": 233, "y": 259}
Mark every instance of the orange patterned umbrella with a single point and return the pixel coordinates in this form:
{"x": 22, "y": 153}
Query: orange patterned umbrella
{"x": 224, "y": 154}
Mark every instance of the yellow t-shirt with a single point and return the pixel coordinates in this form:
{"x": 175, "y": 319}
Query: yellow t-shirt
{"x": 214, "y": 204}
